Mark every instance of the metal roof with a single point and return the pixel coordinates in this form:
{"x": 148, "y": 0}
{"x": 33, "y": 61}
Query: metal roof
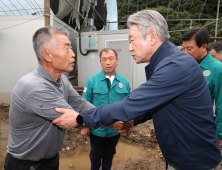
{"x": 22, "y": 7}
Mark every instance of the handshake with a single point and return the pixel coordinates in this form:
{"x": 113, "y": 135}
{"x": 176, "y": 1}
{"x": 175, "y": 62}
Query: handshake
{"x": 119, "y": 126}
{"x": 123, "y": 127}
{"x": 68, "y": 120}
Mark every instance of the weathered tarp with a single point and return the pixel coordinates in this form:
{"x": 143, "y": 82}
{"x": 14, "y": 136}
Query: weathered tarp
{"x": 65, "y": 9}
{"x": 112, "y": 15}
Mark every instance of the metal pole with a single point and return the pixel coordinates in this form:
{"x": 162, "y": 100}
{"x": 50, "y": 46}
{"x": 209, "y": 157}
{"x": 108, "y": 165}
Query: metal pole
{"x": 32, "y": 6}
{"x": 94, "y": 13}
{"x": 7, "y": 7}
{"x": 22, "y": 7}
{"x": 128, "y": 7}
{"x": 39, "y": 6}
{"x": 218, "y": 7}
{"x": 16, "y": 7}
{"x": 47, "y": 12}
{"x": 94, "y": 10}
{"x": 158, "y": 6}
{"x": 178, "y": 8}
{"x": 137, "y": 5}
{"x": 202, "y": 8}
{"x": 80, "y": 14}
{"x": 168, "y": 8}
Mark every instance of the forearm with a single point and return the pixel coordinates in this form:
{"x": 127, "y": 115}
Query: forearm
{"x": 143, "y": 118}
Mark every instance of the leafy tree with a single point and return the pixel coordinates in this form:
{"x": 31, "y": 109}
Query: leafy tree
{"x": 172, "y": 10}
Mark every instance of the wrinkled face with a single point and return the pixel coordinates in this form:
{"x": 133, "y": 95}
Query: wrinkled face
{"x": 140, "y": 48}
{"x": 109, "y": 62}
{"x": 62, "y": 56}
{"x": 216, "y": 55}
{"x": 191, "y": 48}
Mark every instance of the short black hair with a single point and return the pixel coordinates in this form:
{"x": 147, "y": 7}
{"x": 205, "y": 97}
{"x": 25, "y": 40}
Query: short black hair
{"x": 200, "y": 35}
{"x": 106, "y": 50}
{"x": 217, "y": 46}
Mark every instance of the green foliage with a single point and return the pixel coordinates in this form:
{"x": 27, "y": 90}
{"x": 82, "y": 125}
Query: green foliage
{"x": 172, "y": 10}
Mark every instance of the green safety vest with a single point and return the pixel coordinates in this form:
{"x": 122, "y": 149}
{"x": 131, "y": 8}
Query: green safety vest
{"x": 96, "y": 92}
{"x": 212, "y": 70}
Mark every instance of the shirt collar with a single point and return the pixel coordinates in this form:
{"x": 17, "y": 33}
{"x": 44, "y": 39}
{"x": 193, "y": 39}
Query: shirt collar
{"x": 46, "y": 75}
{"x": 158, "y": 56}
{"x": 202, "y": 58}
{"x": 206, "y": 61}
{"x": 102, "y": 76}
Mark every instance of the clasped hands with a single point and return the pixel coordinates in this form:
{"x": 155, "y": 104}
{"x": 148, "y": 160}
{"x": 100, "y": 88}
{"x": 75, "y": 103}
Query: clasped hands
{"x": 119, "y": 126}
{"x": 123, "y": 127}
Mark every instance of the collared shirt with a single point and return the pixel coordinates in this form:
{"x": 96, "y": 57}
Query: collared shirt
{"x": 32, "y": 134}
{"x": 212, "y": 70}
{"x": 97, "y": 92}
{"x": 202, "y": 58}
{"x": 111, "y": 78}
{"x": 178, "y": 98}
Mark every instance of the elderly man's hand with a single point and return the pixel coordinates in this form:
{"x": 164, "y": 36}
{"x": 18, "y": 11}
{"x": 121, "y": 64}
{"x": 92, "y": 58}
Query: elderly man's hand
{"x": 122, "y": 127}
{"x": 117, "y": 125}
{"x": 67, "y": 120}
{"x": 128, "y": 126}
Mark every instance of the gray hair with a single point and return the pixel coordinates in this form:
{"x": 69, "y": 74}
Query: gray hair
{"x": 43, "y": 36}
{"x": 148, "y": 20}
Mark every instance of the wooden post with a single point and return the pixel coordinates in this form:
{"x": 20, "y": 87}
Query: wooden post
{"x": 215, "y": 38}
{"x": 47, "y": 12}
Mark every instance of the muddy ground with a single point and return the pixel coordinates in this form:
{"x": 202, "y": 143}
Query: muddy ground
{"x": 146, "y": 139}
{"x": 146, "y": 154}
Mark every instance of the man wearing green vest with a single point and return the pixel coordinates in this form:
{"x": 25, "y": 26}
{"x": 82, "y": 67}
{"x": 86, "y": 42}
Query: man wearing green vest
{"x": 104, "y": 88}
{"x": 215, "y": 49}
{"x": 195, "y": 43}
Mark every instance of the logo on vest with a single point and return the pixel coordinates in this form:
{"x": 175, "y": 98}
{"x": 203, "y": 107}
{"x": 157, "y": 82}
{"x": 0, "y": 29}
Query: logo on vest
{"x": 206, "y": 73}
{"x": 120, "y": 85}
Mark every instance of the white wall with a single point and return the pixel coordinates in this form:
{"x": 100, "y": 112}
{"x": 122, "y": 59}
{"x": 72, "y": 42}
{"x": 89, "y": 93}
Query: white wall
{"x": 17, "y": 56}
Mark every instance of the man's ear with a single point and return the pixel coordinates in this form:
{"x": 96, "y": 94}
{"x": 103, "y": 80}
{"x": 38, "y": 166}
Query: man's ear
{"x": 46, "y": 55}
{"x": 153, "y": 37}
{"x": 204, "y": 46}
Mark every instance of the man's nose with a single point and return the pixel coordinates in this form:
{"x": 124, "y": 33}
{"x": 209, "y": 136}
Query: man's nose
{"x": 108, "y": 61}
{"x": 130, "y": 48}
{"x": 72, "y": 53}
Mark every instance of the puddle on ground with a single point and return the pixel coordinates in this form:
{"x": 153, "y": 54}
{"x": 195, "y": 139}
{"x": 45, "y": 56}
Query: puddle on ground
{"x": 78, "y": 159}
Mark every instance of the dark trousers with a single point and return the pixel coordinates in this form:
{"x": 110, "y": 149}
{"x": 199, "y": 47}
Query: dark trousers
{"x": 12, "y": 163}
{"x": 103, "y": 147}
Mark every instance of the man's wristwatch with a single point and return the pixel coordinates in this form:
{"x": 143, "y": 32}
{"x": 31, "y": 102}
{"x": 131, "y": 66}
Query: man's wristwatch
{"x": 79, "y": 119}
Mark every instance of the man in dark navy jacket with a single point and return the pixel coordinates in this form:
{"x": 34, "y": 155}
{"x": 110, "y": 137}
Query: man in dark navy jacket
{"x": 175, "y": 96}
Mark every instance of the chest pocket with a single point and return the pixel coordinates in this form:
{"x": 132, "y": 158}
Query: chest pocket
{"x": 121, "y": 92}
{"x": 100, "y": 96}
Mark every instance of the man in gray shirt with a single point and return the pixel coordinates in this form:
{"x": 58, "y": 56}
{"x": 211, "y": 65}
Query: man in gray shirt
{"x": 34, "y": 141}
